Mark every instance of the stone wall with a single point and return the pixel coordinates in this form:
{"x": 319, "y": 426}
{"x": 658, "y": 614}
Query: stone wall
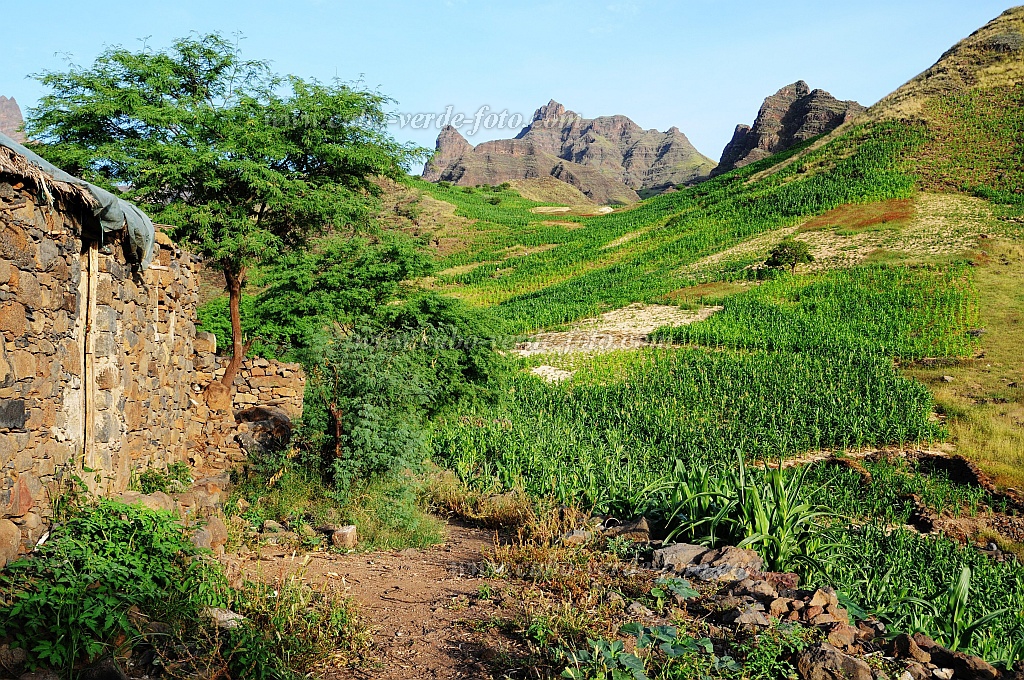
{"x": 95, "y": 356}
{"x": 101, "y": 372}
{"x": 259, "y": 382}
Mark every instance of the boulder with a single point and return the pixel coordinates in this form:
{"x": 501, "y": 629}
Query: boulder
{"x": 270, "y": 429}
{"x": 725, "y": 573}
{"x": 678, "y": 556}
{"x": 10, "y": 542}
{"x": 224, "y": 619}
{"x": 637, "y": 531}
{"x": 842, "y": 636}
{"x": 904, "y": 647}
{"x": 825, "y": 662}
{"x": 733, "y": 557}
{"x": 973, "y": 667}
{"x": 346, "y": 537}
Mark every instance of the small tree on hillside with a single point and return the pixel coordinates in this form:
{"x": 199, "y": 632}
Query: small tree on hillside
{"x": 241, "y": 162}
{"x": 789, "y": 253}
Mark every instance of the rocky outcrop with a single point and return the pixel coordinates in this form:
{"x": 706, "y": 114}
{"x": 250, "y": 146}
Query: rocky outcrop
{"x": 609, "y": 158}
{"x": 10, "y": 119}
{"x": 792, "y": 115}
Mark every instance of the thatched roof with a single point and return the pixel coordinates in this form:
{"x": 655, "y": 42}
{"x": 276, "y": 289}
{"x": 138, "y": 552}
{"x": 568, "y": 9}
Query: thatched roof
{"x": 15, "y": 165}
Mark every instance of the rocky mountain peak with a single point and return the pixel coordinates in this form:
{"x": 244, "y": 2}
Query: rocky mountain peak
{"x": 551, "y": 110}
{"x": 10, "y": 119}
{"x": 609, "y": 158}
{"x": 792, "y": 115}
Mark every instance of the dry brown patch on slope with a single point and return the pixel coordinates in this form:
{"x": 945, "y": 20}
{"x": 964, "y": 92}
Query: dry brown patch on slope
{"x": 550, "y": 190}
{"x": 625, "y": 328}
{"x": 941, "y": 224}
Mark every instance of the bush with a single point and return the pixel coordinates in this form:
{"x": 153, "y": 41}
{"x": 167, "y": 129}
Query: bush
{"x": 71, "y": 601}
{"x": 370, "y": 394}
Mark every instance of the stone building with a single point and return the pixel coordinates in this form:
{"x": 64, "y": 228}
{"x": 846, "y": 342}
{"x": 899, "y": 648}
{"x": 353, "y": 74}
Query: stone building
{"x": 100, "y": 377}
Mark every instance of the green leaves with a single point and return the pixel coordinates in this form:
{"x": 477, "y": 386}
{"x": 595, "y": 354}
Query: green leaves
{"x": 69, "y": 602}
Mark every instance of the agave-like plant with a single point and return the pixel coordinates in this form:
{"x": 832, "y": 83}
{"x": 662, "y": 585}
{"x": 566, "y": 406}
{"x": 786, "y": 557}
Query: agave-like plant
{"x": 947, "y": 618}
{"x": 765, "y": 512}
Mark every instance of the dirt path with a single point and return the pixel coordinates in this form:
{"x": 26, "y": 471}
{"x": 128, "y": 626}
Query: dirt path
{"x": 413, "y": 603}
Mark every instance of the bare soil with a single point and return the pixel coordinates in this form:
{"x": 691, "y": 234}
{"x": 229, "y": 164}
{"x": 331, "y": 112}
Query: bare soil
{"x": 625, "y": 328}
{"x": 417, "y": 604}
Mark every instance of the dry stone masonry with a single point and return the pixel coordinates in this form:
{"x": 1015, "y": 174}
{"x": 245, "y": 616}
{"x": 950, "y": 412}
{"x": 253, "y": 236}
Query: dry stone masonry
{"x": 101, "y": 370}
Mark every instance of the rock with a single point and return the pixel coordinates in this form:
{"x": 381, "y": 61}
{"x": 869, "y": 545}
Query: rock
{"x": 842, "y": 636}
{"x": 941, "y": 656}
{"x": 638, "y": 610}
{"x": 637, "y": 531}
{"x": 346, "y": 537}
{"x": 824, "y": 597}
{"x": 224, "y": 619}
{"x": 272, "y": 527}
{"x": 10, "y": 542}
{"x": 218, "y": 396}
{"x": 608, "y": 158}
{"x": 733, "y": 557}
{"x": 11, "y": 120}
{"x": 973, "y": 667}
{"x": 825, "y": 662}
{"x": 577, "y": 537}
{"x": 778, "y": 608}
{"x": 904, "y": 647}
{"x": 270, "y": 428}
{"x": 104, "y": 669}
{"x": 790, "y": 116}
{"x": 40, "y": 675}
{"x": 678, "y": 556}
{"x": 916, "y": 671}
{"x": 12, "y": 659}
{"x": 217, "y": 532}
{"x": 750, "y": 616}
{"x": 761, "y": 589}
{"x": 722, "y": 574}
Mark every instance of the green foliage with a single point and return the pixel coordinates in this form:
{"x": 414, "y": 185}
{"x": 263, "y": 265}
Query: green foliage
{"x": 766, "y": 511}
{"x": 378, "y": 388}
{"x": 70, "y": 601}
{"x": 889, "y": 495}
{"x": 339, "y": 282}
{"x": 584, "y": 275}
{"x": 177, "y": 477}
{"x": 916, "y": 582}
{"x": 241, "y": 161}
{"x": 907, "y": 312}
{"x": 290, "y": 626}
{"x": 661, "y": 654}
{"x": 789, "y": 253}
{"x": 608, "y": 442}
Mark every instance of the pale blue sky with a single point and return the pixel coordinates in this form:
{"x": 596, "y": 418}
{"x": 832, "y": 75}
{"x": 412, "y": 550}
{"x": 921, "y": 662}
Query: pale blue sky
{"x": 701, "y": 65}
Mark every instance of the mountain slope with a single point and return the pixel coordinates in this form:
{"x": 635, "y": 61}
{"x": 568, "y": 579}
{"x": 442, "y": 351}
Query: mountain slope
{"x": 609, "y": 158}
{"x": 10, "y": 119}
{"x": 792, "y": 115}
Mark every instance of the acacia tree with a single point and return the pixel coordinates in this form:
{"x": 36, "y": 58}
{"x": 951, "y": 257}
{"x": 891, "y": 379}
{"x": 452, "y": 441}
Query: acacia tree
{"x": 240, "y": 162}
{"x": 789, "y": 253}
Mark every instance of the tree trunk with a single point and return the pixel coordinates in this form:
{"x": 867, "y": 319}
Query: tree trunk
{"x": 234, "y": 282}
{"x": 336, "y": 416}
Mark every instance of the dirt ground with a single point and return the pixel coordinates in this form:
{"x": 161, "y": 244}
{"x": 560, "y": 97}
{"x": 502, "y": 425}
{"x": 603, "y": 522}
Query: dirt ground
{"x": 415, "y": 603}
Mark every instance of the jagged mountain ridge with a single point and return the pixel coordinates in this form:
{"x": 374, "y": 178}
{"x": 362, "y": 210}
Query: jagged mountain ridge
{"x": 10, "y": 119}
{"x": 609, "y": 158}
{"x": 792, "y": 115}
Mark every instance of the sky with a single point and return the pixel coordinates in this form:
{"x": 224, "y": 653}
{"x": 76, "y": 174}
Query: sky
{"x": 700, "y": 65}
